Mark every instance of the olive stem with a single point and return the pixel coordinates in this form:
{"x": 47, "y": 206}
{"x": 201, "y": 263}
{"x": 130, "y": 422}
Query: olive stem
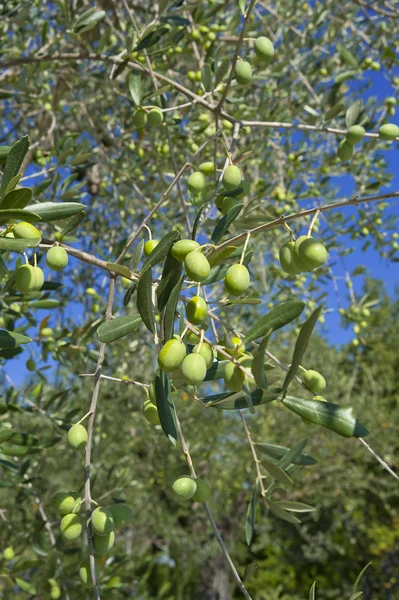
{"x": 149, "y": 232}
{"x": 245, "y": 247}
{"x": 184, "y": 333}
{"x": 34, "y": 258}
{"x": 312, "y": 222}
{"x": 26, "y": 258}
{"x": 83, "y": 418}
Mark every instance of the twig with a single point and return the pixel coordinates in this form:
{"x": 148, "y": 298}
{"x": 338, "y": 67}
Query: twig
{"x": 379, "y": 459}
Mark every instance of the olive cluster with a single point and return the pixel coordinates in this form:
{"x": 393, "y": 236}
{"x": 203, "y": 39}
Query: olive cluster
{"x": 355, "y": 134}
{"x": 143, "y": 115}
{"x": 264, "y": 51}
{"x": 302, "y": 256}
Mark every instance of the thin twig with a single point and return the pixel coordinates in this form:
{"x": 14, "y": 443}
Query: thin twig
{"x": 379, "y": 459}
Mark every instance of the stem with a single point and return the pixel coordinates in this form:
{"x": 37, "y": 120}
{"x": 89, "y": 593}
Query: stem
{"x": 312, "y": 222}
{"x": 245, "y": 248}
{"x": 379, "y": 459}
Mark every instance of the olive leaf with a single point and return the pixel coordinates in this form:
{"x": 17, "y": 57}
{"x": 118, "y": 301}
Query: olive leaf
{"x": 353, "y": 112}
{"x": 144, "y": 300}
{"x": 161, "y": 250}
{"x": 16, "y": 198}
{"x": 54, "y": 211}
{"x": 277, "y": 452}
{"x": 275, "y": 319}
{"x": 169, "y": 314}
{"x": 11, "y": 339}
{"x": 251, "y": 516}
{"x": 15, "y": 245}
{"x": 14, "y": 162}
{"x": 225, "y": 222}
{"x": 166, "y": 409}
{"x": 5, "y": 434}
{"x": 135, "y": 87}
{"x": 170, "y": 277}
{"x": 257, "y": 367}
{"x": 113, "y": 330}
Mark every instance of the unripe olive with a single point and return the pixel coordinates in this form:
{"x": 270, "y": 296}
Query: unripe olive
{"x": 207, "y": 168}
{"x": 71, "y": 527}
{"x": 207, "y": 352}
{"x": 391, "y": 101}
{"x": 236, "y": 279}
{"x": 197, "y": 266}
{"x": 345, "y": 150}
{"x": 171, "y": 355}
{"x": 192, "y": 338}
{"x": 25, "y": 231}
{"x": 28, "y": 279}
{"x": 314, "y": 381}
{"x": 91, "y": 292}
{"x": 30, "y": 364}
{"x": 193, "y": 369}
{"x": 375, "y": 65}
{"x": 151, "y": 412}
{"x": 234, "y": 377}
{"x": 46, "y": 332}
{"x": 8, "y": 553}
{"x": 102, "y": 521}
{"x": 66, "y": 502}
{"x": 264, "y": 48}
{"x": 229, "y": 203}
{"x": 140, "y": 118}
{"x": 287, "y": 259}
{"x": 151, "y": 394}
{"x": 311, "y": 253}
{"x": 355, "y": 134}
{"x": 243, "y": 72}
{"x": 231, "y": 177}
{"x": 234, "y": 346}
{"x": 155, "y": 117}
{"x": 77, "y": 436}
{"x": 196, "y": 183}
{"x": 196, "y": 310}
{"x": 149, "y": 246}
{"x": 122, "y": 514}
{"x": 85, "y": 573}
{"x": 389, "y": 132}
{"x": 180, "y": 250}
{"x": 184, "y": 487}
{"x": 203, "y": 491}
{"x": 55, "y": 592}
{"x": 103, "y": 543}
{"x": 57, "y": 258}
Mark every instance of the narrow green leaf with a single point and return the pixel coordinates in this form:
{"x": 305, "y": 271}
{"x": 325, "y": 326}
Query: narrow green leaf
{"x": 278, "y": 317}
{"x": 206, "y": 77}
{"x": 24, "y": 439}
{"x": 119, "y": 269}
{"x": 152, "y": 38}
{"x": 300, "y": 346}
{"x": 72, "y": 223}
{"x": 353, "y": 112}
{"x": 347, "y": 56}
{"x": 225, "y": 222}
{"x": 169, "y": 314}
{"x": 5, "y": 434}
{"x": 277, "y": 452}
{"x": 137, "y": 254}
{"x": 12, "y": 184}
{"x": 329, "y": 415}
{"x": 166, "y": 409}
{"x": 25, "y": 586}
{"x": 293, "y": 453}
{"x": 196, "y": 222}
{"x": 242, "y": 4}
{"x": 8, "y": 214}
{"x": 129, "y": 293}
{"x": 258, "y": 363}
{"x": 54, "y": 211}
{"x": 144, "y": 300}
{"x": 276, "y": 472}
{"x": 356, "y": 595}
{"x": 249, "y": 571}
{"x": 17, "y": 198}
{"x": 14, "y": 161}
{"x": 161, "y": 250}
{"x": 251, "y": 516}
{"x": 221, "y": 71}
{"x": 216, "y": 274}
{"x": 312, "y": 592}
{"x": 11, "y": 339}
{"x": 19, "y": 450}
{"x": 171, "y": 274}
{"x": 135, "y": 88}
{"x": 295, "y": 506}
{"x": 48, "y": 303}
{"x": 358, "y": 578}
{"x": 216, "y": 371}
{"x": 14, "y": 245}
{"x": 88, "y": 20}
{"x": 238, "y": 401}
{"x": 334, "y": 111}
{"x": 110, "y": 331}
{"x": 280, "y": 512}
{"x": 220, "y": 255}
{"x": 252, "y": 301}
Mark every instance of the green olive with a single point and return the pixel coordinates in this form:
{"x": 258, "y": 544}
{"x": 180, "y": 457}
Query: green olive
{"x": 228, "y": 203}
{"x": 140, "y": 118}
{"x": 151, "y": 394}
{"x": 103, "y": 543}
{"x": 197, "y": 266}
{"x": 196, "y": 183}
{"x": 203, "y": 491}
{"x": 192, "y": 338}
{"x": 314, "y": 381}
{"x": 231, "y": 177}
{"x": 171, "y": 355}
{"x": 234, "y": 346}
{"x": 287, "y": 259}
{"x": 57, "y": 258}
{"x": 180, "y": 250}
{"x": 25, "y": 231}
{"x": 236, "y": 279}
{"x": 55, "y": 592}
{"x": 264, "y": 48}
{"x": 150, "y": 412}
{"x": 8, "y": 553}
{"x": 234, "y": 377}
{"x": 193, "y": 369}
{"x": 77, "y": 436}
{"x": 243, "y": 72}
{"x": 196, "y": 310}
{"x": 122, "y": 514}
{"x": 206, "y": 351}
{"x": 149, "y": 246}
{"x": 312, "y": 254}
{"x": 102, "y": 521}
{"x": 66, "y": 502}
{"x": 355, "y": 134}
{"x": 30, "y": 364}
{"x": 184, "y": 487}
{"x": 71, "y": 527}
{"x": 345, "y": 150}
{"x": 85, "y": 573}
{"x": 155, "y": 117}
{"x": 207, "y": 168}
{"x": 389, "y": 132}
{"x": 28, "y": 279}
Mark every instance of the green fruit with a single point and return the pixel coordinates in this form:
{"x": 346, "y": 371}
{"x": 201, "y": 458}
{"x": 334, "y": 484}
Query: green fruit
{"x": 243, "y": 72}
{"x": 25, "y": 231}
{"x": 236, "y": 280}
{"x": 203, "y": 491}
{"x": 155, "y": 117}
{"x": 391, "y": 101}
{"x": 264, "y": 48}
{"x": 287, "y": 259}
{"x": 180, "y": 250}
{"x": 355, "y": 134}
{"x": 57, "y": 258}
{"x": 46, "y": 332}
{"x": 122, "y": 514}
{"x": 102, "y": 521}
{"x": 312, "y": 254}
{"x": 196, "y": 310}
{"x": 197, "y": 266}
{"x": 85, "y": 573}
{"x": 171, "y": 355}
{"x": 229, "y": 203}
{"x": 30, "y": 364}
{"x": 196, "y": 183}
{"x": 345, "y": 150}
{"x": 77, "y": 436}
{"x": 192, "y": 338}
{"x": 207, "y": 168}
{"x": 149, "y": 246}
{"x": 140, "y": 118}
{"x": 389, "y": 132}
{"x": 8, "y": 553}
{"x": 184, "y": 487}
{"x": 231, "y": 177}
{"x": 151, "y": 412}
{"x": 151, "y": 394}
{"x": 71, "y": 527}
{"x": 207, "y": 352}
{"x": 103, "y": 543}
{"x": 234, "y": 346}
{"x": 233, "y": 377}
{"x": 55, "y": 592}
{"x": 66, "y": 503}
{"x": 193, "y": 369}
{"x": 28, "y": 279}
{"x": 314, "y": 381}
